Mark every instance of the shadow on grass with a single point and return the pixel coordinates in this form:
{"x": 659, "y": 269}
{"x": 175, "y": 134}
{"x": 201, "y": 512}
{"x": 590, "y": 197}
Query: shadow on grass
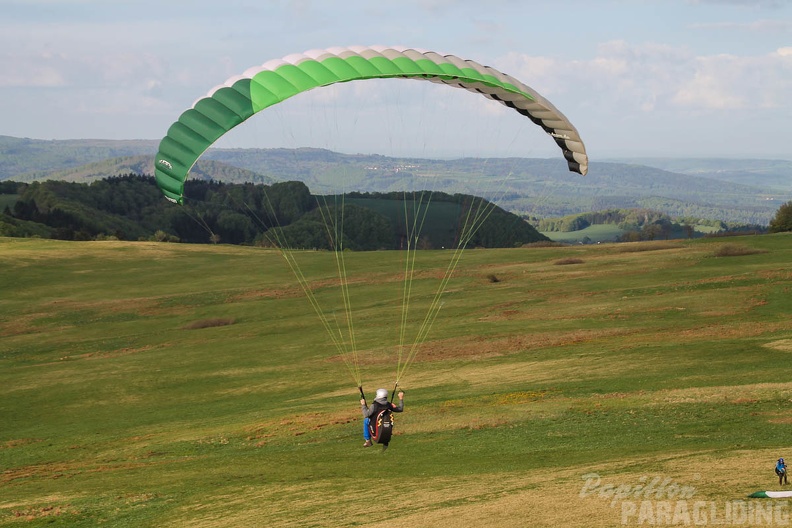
{"x": 208, "y": 323}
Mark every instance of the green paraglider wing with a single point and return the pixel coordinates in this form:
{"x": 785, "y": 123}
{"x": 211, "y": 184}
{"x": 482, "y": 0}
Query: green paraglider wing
{"x": 260, "y": 87}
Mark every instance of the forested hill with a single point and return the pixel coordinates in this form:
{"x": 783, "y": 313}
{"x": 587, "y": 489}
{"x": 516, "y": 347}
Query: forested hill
{"x": 734, "y": 191}
{"x": 144, "y": 164}
{"x": 22, "y": 156}
{"x": 131, "y": 207}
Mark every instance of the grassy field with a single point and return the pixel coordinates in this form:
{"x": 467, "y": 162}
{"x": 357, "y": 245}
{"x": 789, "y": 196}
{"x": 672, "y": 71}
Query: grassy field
{"x": 556, "y": 383}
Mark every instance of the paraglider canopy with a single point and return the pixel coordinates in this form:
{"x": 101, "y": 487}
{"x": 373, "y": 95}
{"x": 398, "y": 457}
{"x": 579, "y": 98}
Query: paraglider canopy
{"x": 240, "y": 97}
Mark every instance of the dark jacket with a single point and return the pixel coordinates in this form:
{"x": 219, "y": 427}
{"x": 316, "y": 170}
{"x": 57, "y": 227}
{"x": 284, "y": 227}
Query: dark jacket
{"x": 380, "y": 404}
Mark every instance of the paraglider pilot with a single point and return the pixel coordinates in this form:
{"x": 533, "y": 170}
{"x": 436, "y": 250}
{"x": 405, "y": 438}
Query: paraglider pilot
{"x": 781, "y": 471}
{"x": 380, "y": 403}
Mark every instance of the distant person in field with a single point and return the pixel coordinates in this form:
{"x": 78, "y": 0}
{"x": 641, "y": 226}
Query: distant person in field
{"x": 380, "y": 403}
{"x": 781, "y": 471}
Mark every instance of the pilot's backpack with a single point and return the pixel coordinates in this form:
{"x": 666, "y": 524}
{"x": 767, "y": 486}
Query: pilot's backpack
{"x": 381, "y": 427}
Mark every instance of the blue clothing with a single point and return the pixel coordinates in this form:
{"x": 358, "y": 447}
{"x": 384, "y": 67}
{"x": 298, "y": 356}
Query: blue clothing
{"x": 366, "y": 431}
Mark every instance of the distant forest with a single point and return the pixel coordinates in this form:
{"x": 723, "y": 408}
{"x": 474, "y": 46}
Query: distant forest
{"x": 131, "y": 207}
{"x": 644, "y": 224}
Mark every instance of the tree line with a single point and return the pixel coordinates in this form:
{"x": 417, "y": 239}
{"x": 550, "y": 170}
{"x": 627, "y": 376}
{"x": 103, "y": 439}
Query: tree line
{"x": 131, "y": 207}
{"x": 644, "y": 224}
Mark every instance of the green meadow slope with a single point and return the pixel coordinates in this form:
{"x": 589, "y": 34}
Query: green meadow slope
{"x": 153, "y": 384}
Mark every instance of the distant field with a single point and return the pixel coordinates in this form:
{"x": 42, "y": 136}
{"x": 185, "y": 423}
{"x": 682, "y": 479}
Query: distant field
{"x": 706, "y": 229}
{"x": 604, "y": 233}
{"x": 125, "y": 402}
{"x": 595, "y": 233}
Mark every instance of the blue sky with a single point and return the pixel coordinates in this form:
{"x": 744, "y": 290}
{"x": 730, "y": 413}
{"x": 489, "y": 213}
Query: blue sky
{"x": 638, "y": 78}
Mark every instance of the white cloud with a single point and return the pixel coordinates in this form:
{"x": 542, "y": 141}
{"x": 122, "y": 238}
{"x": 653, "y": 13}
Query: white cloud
{"x": 733, "y": 82}
{"x": 709, "y": 88}
{"x": 653, "y": 77}
{"x": 35, "y": 71}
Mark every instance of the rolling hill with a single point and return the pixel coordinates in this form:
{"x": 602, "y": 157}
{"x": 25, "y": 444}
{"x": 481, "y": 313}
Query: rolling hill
{"x": 743, "y": 191}
{"x": 776, "y": 174}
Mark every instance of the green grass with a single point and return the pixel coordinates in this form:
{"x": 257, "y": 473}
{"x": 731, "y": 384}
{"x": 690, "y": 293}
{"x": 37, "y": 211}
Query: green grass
{"x": 122, "y": 404}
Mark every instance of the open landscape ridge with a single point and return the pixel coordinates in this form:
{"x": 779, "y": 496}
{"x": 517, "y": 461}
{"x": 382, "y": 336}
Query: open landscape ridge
{"x": 156, "y": 384}
{"x": 729, "y": 190}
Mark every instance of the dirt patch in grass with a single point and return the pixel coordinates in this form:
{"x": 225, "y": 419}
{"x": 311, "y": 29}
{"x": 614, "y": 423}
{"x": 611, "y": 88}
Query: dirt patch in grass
{"x": 53, "y": 471}
{"x": 780, "y": 274}
{"x": 634, "y": 247}
{"x": 209, "y": 323}
{"x": 297, "y": 425}
{"x": 480, "y": 347}
{"x": 275, "y": 293}
{"x": 21, "y": 324}
{"x": 294, "y": 290}
{"x": 39, "y": 471}
{"x": 32, "y": 514}
{"x": 723, "y": 279}
{"x": 735, "y": 250}
{"x": 533, "y": 341}
{"x": 780, "y": 420}
{"x": 732, "y": 331}
{"x": 9, "y": 444}
{"x": 544, "y": 244}
{"x": 567, "y": 261}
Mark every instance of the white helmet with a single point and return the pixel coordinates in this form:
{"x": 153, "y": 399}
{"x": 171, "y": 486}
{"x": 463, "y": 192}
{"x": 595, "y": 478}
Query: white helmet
{"x": 382, "y": 393}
